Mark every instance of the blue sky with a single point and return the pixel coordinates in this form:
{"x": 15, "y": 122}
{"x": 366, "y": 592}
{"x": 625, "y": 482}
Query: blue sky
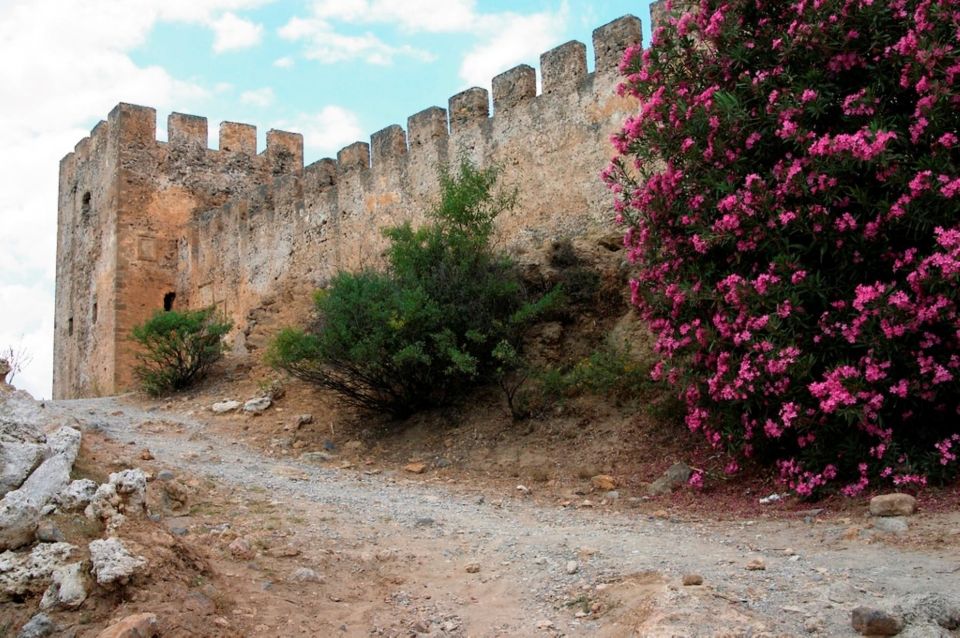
{"x": 334, "y": 70}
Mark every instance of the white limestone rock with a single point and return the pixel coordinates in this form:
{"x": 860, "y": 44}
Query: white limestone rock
{"x": 29, "y": 482}
{"x": 77, "y": 495}
{"x": 23, "y": 573}
{"x": 17, "y": 460}
{"x": 20, "y": 509}
{"x": 131, "y": 485}
{"x": 123, "y": 495}
{"x": 104, "y": 503}
{"x": 20, "y": 419}
{"x": 258, "y": 405}
{"x": 68, "y": 589}
{"x": 19, "y": 517}
{"x": 112, "y": 561}
{"x": 223, "y": 407}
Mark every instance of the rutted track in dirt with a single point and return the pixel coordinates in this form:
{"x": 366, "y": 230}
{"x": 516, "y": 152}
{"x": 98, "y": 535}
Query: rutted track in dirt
{"x": 524, "y": 549}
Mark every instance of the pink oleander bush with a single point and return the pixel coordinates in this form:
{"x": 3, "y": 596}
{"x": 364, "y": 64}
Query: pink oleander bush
{"x": 791, "y": 189}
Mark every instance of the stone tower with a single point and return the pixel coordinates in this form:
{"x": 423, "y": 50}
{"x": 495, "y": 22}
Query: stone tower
{"x": 125, "y": 199}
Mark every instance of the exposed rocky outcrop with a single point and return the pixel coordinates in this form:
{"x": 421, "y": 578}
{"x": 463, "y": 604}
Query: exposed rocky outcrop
{"x": 20, "y": 509}
{"x": 24, "y": 573}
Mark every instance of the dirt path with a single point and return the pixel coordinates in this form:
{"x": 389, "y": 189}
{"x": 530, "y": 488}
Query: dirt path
{"x": 542, "y": 570}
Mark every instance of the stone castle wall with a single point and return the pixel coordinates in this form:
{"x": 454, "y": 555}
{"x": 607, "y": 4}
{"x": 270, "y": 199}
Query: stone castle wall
{"x": 143, "y": 223}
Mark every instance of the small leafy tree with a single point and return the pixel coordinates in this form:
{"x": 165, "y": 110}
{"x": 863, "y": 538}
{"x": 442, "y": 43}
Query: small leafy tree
{"x": 425, "y": 329}
{"x": 178, "y": 348}
{"x": 791, "y": 184}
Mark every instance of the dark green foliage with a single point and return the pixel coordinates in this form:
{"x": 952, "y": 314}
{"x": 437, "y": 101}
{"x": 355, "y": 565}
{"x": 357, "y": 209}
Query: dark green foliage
{"x": 581, "y": 285}
{"x": 425, "y": 330}
{"x": 178, "y": 348}
{"x": 611, "y": 371}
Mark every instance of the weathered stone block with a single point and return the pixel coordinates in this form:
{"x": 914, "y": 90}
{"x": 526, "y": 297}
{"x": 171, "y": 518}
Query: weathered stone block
{"x": 658, "y": 13}
{"x": 187, "y": 130}
{"x": 133, "y": 124}
{"x": 427, "y": 126}
{"x": 320, "y": 175}
{"x": 238, "y": 138}
{"x": 469, "y": 107}
{"x": 612, "y": 39}
{"x": 513, "y": 87}
{"x": 284, "y": 152}
{"x": 388, "y": 143}
{"x": 355, "y": 156}
{"x": 563, "y": 66}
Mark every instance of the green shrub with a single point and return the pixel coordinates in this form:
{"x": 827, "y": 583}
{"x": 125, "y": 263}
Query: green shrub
{"x": 178, "y": 348}
{"x": 426, "y": 329}
{"x": 611, "y": 371}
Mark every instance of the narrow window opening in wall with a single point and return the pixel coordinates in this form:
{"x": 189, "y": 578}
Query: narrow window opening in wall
{"x": 168, "y": 300}
{"x": 94, "y": 312}
{"x": 85, "y": 205}
{"x": 70, "y": 327}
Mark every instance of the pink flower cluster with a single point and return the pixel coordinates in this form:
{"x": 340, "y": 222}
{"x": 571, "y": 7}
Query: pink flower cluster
{"x": 797, "y": 245}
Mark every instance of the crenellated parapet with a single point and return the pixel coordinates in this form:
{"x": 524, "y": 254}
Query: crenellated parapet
{"x": 514, "y": 87}
{"x": 189, "y": 226}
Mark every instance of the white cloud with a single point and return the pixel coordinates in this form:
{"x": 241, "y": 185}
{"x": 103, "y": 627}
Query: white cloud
{"x": 326, "y": 131}
{"x": 436, "y": 16}
{"x": 325, "y": 45}
{"x": 284, "y": 63}
{"x": 70, "y": 64}
{"x": 511, "y": 39}
{"x": 258, "y": 97}
{"x": 503, "y": 39}
{"x": 232, "y": 32}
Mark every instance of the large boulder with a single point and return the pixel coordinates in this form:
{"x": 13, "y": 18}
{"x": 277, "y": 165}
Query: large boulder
{"x": 22, "y": 442}
{"x": 21, "y": 418}
{"x": 875, "y": 622}
{"x": 20, "y": 509}
{"x": 112, "y": 562}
